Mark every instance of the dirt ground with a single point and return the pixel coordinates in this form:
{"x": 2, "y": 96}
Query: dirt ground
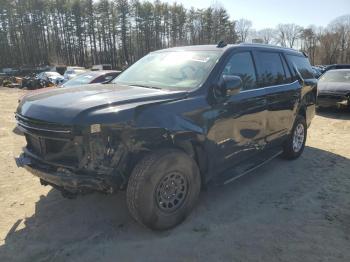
{"x": 284, "y": 211}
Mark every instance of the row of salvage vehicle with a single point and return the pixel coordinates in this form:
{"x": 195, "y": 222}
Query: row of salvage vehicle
{"x": 173, "y": 122}
{"x": 44, "y": 79}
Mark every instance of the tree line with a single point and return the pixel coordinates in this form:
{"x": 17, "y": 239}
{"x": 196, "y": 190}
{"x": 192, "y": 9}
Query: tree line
{"x": 329, "y": 45}
{"x": 119, "y": 32}
{"x": 86, "y": 32}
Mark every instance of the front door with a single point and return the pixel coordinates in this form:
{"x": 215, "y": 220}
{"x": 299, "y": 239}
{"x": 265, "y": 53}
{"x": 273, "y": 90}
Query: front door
{"x": 238, "y": 130}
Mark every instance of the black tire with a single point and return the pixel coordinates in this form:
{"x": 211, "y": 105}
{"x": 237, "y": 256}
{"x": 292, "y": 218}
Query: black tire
{"x": 147, "y": 181}
{"x": 290, "y": 152}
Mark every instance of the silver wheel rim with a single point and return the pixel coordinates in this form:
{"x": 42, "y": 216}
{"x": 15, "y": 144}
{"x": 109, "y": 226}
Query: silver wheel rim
{"x": 171, "y": 192}
{"x": 298, "y": 138}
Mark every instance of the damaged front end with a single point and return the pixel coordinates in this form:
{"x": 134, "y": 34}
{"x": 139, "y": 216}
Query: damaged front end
{"x": 329, "y": 99}
{"x": 77, "y": 159}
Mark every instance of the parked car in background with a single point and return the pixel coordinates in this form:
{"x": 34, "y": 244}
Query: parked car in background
{"x": 11, "y": 71}
{"x": 92, "y": 77}
{"x": 101, "y": 67}
{"x": 10, "y": 81}
{"x": 41, "y": 80}
{"x": 172, "y": 122}
{"x": 52, "y": 77}
{"x": 73, "y": 72}
{"x": 334, "y": 88}
{"x": 2, "y": 78}
{"x": 336, "y": 66}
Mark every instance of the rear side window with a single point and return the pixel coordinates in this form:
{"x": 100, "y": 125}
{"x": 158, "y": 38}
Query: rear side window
{"x": 270, "y": 69}
{"x": 303, "y": 65}
{"x": 241, "y": 64}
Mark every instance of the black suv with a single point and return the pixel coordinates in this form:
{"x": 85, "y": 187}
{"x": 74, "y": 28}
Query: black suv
{"x": 175, "y": 120}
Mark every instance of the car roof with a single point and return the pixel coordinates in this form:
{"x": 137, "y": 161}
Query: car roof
{"x": 232, "y": 46}
{"x": 338, "y": 66}
{"x": 339, "y": 70}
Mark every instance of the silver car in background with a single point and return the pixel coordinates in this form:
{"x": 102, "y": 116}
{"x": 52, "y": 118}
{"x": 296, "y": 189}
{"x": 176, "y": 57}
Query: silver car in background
{"x": 73, "y": 72}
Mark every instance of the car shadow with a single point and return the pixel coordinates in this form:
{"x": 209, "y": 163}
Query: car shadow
{"x": 60, "y": 224}
{"x": 335, "y": 113}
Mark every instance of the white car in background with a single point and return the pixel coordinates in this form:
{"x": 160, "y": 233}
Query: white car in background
{"x": 52, "y": 77}
{"x": 73, "y": 72}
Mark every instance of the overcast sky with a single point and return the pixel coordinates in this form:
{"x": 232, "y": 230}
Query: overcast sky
{"x": 269, "y": 13}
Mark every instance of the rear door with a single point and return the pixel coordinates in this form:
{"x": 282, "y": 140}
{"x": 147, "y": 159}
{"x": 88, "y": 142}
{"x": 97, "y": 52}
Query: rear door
{"x": 282, "y": 94}
{"x": 301, "y": 67}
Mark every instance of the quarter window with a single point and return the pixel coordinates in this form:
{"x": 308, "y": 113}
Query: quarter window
{"x": 303, "y": 66}
{"x": 270, "y": 69}
{"x": 241, "y": 64}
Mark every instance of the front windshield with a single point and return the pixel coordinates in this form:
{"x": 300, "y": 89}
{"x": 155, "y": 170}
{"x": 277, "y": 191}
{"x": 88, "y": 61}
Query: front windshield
{"x": 81, "y": 79}
{"x": 336, "y": 76}
{"x": 172, "y": 70}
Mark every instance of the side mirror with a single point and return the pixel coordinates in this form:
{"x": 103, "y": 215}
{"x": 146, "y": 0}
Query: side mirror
{"x": 230, "y": 85}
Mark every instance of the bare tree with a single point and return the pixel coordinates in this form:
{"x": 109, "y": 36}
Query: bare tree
{"x": 267, "y": 35}
{"x": 243, "y": 27}
{"x": 329, "y": 45}
{"x": 288, "y": 34}
{"x": 341, "y": 26}
{"x": 309, "y": 42}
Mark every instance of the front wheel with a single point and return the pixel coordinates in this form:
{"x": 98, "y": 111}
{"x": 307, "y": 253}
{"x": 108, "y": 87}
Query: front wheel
{"x": 163, "y": 189}
{"x": 295, "y": 144}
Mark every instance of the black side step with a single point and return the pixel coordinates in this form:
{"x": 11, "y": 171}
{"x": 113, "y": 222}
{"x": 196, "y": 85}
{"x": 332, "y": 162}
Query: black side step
{"x": 247, "y": 166}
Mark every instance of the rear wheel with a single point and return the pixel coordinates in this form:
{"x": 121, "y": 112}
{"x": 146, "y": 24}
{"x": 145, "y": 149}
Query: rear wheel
{"x": 295, "y": 144}
{"x": 163, "y": 189}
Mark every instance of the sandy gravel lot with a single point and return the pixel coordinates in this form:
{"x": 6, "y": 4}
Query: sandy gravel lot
{"x": 284, "y": 211}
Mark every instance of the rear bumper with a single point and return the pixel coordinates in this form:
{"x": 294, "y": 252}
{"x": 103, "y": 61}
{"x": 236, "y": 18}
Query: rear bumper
{"x": 65, "y": 180}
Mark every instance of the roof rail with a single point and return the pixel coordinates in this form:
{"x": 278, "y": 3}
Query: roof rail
{"x": 268, "y": 45}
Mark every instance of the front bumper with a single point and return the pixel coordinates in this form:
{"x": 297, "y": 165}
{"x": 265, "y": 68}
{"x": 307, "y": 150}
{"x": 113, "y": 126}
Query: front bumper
{"x": 329, "y": 100}
{"x": 67, "y": 181}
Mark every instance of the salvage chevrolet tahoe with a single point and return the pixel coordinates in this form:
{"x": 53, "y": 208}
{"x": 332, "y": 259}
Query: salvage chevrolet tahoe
{"x": 174, "y": 121}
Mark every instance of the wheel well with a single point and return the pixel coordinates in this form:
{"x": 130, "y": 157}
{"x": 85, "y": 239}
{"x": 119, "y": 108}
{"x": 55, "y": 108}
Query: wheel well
{"x": 188, "y": 144}
{"x": 196, "y": 151}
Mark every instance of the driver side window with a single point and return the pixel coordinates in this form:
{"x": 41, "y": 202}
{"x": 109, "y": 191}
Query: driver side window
{"x": 241, "y": 64}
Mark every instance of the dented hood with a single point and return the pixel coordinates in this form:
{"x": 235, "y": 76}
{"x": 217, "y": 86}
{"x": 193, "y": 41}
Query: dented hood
{"x": 65, "y": 105}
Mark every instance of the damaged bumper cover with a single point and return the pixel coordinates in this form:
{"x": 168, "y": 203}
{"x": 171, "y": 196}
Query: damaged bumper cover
{"x": 65, "y": 180}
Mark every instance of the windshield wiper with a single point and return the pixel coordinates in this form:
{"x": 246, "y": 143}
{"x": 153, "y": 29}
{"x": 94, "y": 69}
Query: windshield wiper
{"x": 152, "y": 87}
